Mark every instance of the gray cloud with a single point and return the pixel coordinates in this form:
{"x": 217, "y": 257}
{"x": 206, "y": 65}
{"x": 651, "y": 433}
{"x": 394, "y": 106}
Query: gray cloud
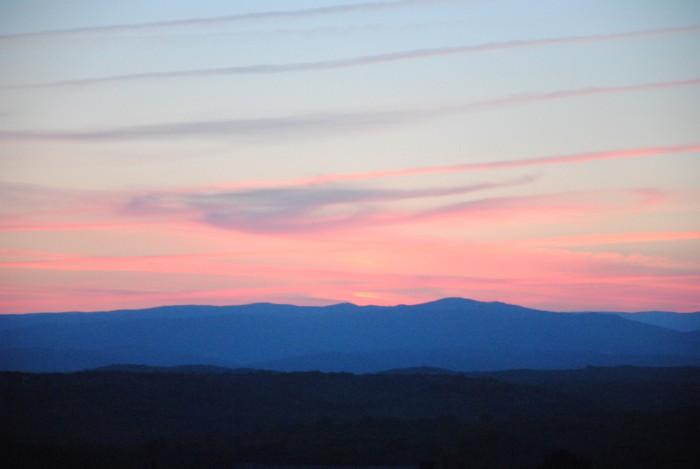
{"x": 296, "y": 209}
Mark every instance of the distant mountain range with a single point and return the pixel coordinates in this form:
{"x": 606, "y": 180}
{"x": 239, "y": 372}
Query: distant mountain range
{"x": 452, "y": 333}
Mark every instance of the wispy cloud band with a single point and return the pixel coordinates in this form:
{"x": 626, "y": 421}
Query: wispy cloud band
{"x": 466, "y": 167}
{"x": 205, "y": 21}
{"x": 546, "y": 160}
{"x": 293, "y": 209}
{"x": 325, "y": 122}
{"x": 364, "y": 60}
{"x": 303, "y": 205}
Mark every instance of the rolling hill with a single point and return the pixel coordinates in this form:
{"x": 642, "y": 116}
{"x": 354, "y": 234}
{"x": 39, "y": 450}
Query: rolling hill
{"x": 453, "y": 333}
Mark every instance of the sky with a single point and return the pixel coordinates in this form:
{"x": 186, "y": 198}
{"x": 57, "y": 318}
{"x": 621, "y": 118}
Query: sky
{"x": 544, "y": 153}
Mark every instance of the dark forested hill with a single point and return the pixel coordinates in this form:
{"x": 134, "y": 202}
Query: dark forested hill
{"x": 452, "y": 333}
{"x": 177, "y": 418}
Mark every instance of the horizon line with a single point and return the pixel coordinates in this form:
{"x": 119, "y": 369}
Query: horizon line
{"x": 342, "y": 303}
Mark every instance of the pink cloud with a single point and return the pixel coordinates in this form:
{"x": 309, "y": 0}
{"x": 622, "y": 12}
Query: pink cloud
{"x": 363, "y": 262}
{"x": 559, "y": 208}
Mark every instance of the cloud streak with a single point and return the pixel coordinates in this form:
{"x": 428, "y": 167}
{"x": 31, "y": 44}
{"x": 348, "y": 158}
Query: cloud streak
{"x": 322, "y": 208}
{"x": 469, "y": 167}
{"x": 542, "y": 161}
{"x": 325, "y": 122}
{"x": 564, "y": 207}
{"x": 310, "y": 208}
{"x": 295, "y": 209}
{"x": 310, "y": 204}
{"x": 599, "y": 239}
{"x": 224, "y": 19}
{"x": 364, "y": 60}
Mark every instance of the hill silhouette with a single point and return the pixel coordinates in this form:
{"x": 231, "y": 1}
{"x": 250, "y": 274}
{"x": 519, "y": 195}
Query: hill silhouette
{"x": 686, "y": 322}
{"x": 452, "y": 333}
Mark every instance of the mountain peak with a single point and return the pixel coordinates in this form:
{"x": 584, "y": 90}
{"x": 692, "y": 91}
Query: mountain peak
{"x": 341, "y": 306}
{"x": 452, "y": 301}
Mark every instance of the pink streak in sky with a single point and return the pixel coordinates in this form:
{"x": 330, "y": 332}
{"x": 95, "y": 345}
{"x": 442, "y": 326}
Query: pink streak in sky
{"x": 613, "y": 238}
{"x": 484, "y": 166}
{"x": 77, "y": 226}
{"x": 392, "y": 270}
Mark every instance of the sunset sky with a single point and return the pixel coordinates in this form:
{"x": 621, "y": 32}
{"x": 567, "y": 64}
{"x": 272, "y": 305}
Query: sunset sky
{"x": 544, "y": 153}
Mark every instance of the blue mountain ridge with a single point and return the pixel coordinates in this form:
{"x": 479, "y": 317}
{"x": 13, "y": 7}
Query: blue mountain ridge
{"x": 685, "y": 322}
{"x": 453, "y": 333}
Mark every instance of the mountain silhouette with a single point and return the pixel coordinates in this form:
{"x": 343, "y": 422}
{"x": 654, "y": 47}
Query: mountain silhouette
{"x": 452, "y": 333}
{"x": 686, "y": 322}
